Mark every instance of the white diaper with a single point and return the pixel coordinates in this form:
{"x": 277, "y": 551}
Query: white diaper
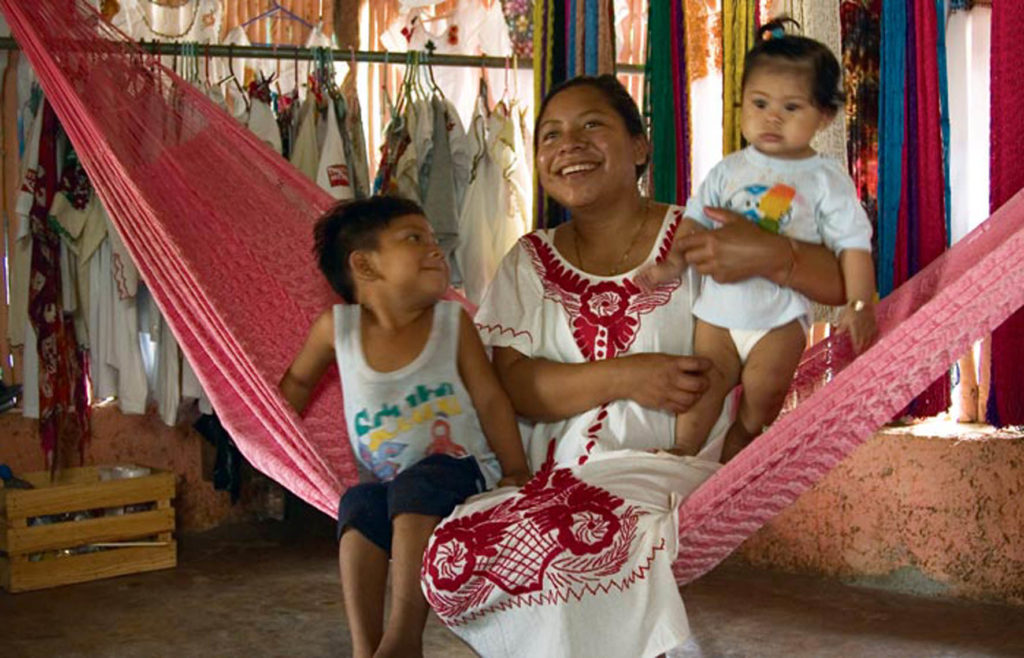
{"x": 745, "y": 339}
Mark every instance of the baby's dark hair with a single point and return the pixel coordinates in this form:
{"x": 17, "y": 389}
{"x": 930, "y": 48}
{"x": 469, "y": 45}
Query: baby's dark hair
{"x": 353, "y": 226}
{"x": 774, "y": 45}
{"x": 614, "y": 93}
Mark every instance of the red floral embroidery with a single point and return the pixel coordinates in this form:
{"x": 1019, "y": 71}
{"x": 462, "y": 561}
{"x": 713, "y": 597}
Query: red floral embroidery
{"x": 604, "y": 315}
{"x": 558, "y": 534}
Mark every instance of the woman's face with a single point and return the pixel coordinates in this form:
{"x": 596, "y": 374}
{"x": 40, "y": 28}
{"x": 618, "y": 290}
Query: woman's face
{"x": 585, "y": 154}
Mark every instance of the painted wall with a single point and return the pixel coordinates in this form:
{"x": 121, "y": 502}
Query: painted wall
{"x": 913, "y": 509}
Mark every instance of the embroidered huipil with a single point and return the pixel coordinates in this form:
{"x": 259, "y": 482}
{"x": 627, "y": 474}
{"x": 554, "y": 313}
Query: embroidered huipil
{"x": 577, "y": 562}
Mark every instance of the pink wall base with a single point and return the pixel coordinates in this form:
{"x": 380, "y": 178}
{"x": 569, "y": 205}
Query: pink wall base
{"x": 144, "y": 440}
{"x": 913, "y": 509}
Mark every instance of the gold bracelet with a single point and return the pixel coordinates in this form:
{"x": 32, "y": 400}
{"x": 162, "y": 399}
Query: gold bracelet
{"x": 792, "y": 264}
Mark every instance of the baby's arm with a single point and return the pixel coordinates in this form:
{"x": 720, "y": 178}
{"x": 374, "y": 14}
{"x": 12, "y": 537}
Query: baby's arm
{"x": 492, "y": 405}
{"x": 858, "y": 315}
{"x": 674, "y": 264}
{"x": 309, "y": 365}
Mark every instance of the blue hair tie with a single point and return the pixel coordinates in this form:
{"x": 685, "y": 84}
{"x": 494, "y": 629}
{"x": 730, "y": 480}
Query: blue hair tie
{"x": 774, "y": 33}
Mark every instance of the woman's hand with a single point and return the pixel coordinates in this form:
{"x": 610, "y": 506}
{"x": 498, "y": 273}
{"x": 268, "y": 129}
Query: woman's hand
{"x": 516, "y": 479}
{"x": 740, "y": 250}
{"x": 664, "y": 381}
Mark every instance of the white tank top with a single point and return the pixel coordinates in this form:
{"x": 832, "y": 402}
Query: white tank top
{"x": 397, "y": 418}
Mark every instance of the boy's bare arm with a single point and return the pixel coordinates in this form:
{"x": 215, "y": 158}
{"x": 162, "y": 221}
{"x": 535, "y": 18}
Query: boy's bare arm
{"x": 492, "y": 404}
{"x": 309, "y": 365}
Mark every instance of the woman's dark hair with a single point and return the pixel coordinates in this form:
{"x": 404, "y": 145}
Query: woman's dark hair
{"x": 354, "y": 226}
{"x": 617, "y": 97}
{"x": 773, "y": 45}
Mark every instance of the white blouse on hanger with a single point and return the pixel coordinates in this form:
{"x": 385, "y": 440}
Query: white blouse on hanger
{"x": 196, "y": 20}
{"x": 471, "y": 29}
{"x": 332, "y": 171}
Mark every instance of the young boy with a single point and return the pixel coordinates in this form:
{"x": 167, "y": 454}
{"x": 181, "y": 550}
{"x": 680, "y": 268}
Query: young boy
{"x": 424, "y": 410}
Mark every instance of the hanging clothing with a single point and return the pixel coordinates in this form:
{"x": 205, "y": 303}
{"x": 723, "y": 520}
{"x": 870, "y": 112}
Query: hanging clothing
{"x": 332, "y": 174}
{"x": 305, "y": 153}
{"x": 198, "y": 21}
{"x": 438, "y": 184}
{"x": 418, "y": 125}
{"x": 262, "y": 121}
{"x": 121, "y": 342}
{"x": 496, "y": 209}
{"x": 21, "y": 260}
{"x": 63, "y": 407}
{"x": 471, "y": 29}
{"x": 242, "y": 69}
{"x": 292, "y": 74}
{"x": 359, "y": 168}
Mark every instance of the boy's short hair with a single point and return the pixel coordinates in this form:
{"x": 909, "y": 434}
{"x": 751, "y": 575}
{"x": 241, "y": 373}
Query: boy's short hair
{"x": 354, "y": 226}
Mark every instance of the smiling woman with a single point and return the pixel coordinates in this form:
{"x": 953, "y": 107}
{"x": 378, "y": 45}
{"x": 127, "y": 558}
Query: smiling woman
{"x": 598, "y": 368}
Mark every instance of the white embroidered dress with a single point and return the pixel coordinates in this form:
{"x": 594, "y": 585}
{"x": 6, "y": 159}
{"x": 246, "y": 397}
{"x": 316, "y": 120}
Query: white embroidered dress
{"x": 578, "y": 562}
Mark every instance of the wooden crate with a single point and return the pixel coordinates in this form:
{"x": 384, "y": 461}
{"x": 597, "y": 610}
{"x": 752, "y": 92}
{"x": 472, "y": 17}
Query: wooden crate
{"x": 31, "y": 556}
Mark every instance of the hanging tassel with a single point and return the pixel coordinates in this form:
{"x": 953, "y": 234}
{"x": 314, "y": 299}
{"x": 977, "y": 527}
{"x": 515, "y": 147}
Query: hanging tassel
{"x": 737, "y": 38}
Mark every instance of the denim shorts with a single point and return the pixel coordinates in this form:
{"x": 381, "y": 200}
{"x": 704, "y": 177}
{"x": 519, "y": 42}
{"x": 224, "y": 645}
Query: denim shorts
{"x": 433, "y": 486}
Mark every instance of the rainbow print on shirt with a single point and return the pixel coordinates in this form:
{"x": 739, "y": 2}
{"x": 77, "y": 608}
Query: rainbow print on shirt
{"x": 768, "y": 207}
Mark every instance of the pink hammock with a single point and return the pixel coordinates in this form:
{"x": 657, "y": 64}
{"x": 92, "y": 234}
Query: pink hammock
{"x": 220, "y": 228}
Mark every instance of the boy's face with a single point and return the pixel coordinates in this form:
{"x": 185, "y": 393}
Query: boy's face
{"x": 778, "y": 115}
{"x": 408, "y": 257}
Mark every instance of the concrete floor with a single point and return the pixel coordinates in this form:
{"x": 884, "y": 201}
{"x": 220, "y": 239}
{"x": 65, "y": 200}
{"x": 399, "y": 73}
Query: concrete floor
{"x": 271, "y": 590}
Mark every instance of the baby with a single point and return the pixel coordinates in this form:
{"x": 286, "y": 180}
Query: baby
{"x": 755, "y": 331}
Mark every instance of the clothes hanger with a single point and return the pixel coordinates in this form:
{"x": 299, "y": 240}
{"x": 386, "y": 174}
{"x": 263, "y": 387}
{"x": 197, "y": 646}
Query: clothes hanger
{"x": 274, "y": 10}
{"x": 234, "y": 78}
{"x": 434, "y": 88}
{"x": 504, "y": 101}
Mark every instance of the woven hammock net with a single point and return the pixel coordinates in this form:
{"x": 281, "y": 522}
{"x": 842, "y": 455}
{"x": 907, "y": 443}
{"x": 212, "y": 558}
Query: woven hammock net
{"x": 220, "y": 228}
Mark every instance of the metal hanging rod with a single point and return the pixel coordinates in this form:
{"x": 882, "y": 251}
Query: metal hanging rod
{"x": 300, "y": 53}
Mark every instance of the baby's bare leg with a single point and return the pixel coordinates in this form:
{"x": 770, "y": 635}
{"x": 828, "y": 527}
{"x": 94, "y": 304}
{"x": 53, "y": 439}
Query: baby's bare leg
{"x": 404, "y": 634}
{"x": 766, "y": 378}
{"x": 674, "y": 264}
{"x": 716, "y": 344}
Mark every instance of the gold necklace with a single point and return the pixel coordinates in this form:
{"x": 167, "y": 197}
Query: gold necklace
{"x": 191, "y": 23}
{"x": 622, "y": 261}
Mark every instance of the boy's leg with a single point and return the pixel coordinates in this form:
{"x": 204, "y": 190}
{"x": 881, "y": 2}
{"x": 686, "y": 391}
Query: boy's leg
{"x": 418, "y": 498}
{"x": 693, "y": 426}
{"x": 364, "y": 538}
{"x": 766, "y": 377}
{"x": 404, "y": 634}
{"x": 364, "y": 578}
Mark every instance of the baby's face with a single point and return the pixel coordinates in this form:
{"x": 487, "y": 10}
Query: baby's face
{"x": 778, "y": 115}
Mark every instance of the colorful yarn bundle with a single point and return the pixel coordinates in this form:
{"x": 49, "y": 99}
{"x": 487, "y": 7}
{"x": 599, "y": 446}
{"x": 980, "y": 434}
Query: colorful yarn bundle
{"x": 1006, "y": 403}
{"x": 912, "y": 220}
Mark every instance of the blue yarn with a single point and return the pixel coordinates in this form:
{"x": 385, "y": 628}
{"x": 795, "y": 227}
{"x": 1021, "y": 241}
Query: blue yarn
{"x": 890, "y": 137}
{"x": 941, "y": 15}
{"x": 591, "y": 47}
